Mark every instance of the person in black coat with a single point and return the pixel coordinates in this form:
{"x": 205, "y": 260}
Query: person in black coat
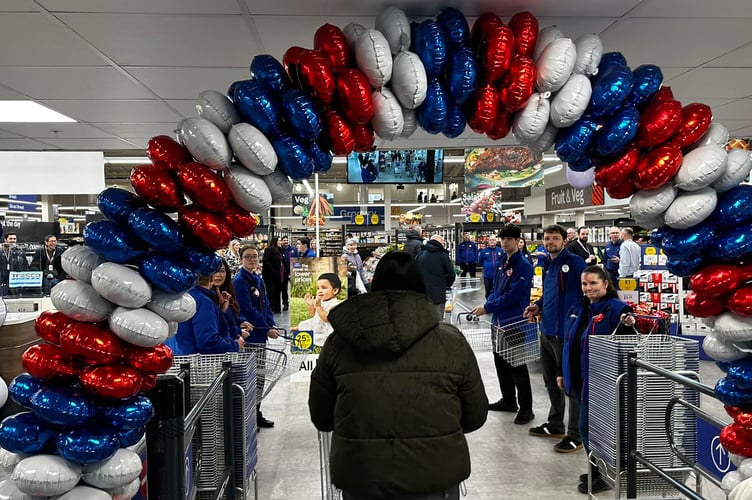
{"x": 413, "y": 241}
{"x": 437, "y": 270}
{"x": 12, "y": 258}
{"x": 48, "y": 261}
{"x": 581, "y": 247}
{"x": 272, "y": 270}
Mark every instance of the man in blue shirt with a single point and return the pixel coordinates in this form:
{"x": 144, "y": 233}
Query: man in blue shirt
{"x": 304, "y": 247}
{"x": 467, "y": 256}
{"x": 489, "y": 260}
{"x": 611, "y": 258}
{"x": 562, "y": 289}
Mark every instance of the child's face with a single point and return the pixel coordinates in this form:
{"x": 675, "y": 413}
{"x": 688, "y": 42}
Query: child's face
{"x": 324, "y": 290}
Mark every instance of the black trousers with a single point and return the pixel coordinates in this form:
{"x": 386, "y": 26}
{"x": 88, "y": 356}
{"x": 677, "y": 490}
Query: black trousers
{"x": 467, "y": 267}
{"x": 551, "y": 351}
{"x": 273, "y": 290}
{"x": 488, "y": 284}
{"x": 451, "y": 493}
{"x": 285, "y": 294}
{"x": 515, "y": 383}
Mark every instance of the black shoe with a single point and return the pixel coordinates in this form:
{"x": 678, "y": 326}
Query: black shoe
{"x": 598, "y": 485}
{"x": 286, "y": 307}
{"x": 567, "y": 445}
{"x": 544, "y": 430}
{"x": 262, "y": 422}
{"x": 583, "y": 478}
{"x": 524, "y": 417}
{"x": 500, "y": 405}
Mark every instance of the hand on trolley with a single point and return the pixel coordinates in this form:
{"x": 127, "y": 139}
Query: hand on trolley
{"x": 531, "y": 312}
{"x": 478, "y": 311}
{"x": 273, "y": 333}
{"x": 628, "y": 319}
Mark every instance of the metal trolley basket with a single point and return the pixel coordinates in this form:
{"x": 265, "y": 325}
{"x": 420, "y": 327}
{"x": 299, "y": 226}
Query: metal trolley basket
{"x": 518, "y": 341}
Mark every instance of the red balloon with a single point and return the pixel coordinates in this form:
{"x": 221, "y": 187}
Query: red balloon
{"x": 148, "y": 381}
{"x": 737, "y": 440}
{"x": 92, "y": 343}
{"x": 242, "y": 223}
{"x": 111, "y": 381}
{"x": 483, "y": 109}
{"x": 658, "y": 166}
{"x": 154, "y": 360}
{"x": 518, "y": 84}
{"x": 501, "y": 125}
{"x": 157, "y": 187}
{"x": 164, "y": 151}
{"x": 354, "y": 96}
{"x": 340, "y": 133}
{"x": 205, "y": 187}
{"x": 663, "y": 94}
{"x": 702, "y": 306}
{"x": 525, "y": 28}
{"x": 621, "y": 191}
{"x": 49, "y": 362}
{"x": 208, "y": 228}
{"x": 715, "y": 280}
{"x": 331, "y": 41}
{"x": 495, "y": 53}
{"x": 49, "y": 324}
{"x": 481, "y": 26}
{"x": 740, "y": 301}
{"x": 363, "y": 137}
{"x": 696, "y": 118}
{"x": 732, "y": 411}
{"x": 316, "y": 75}
{"x": 291, "y": 62}
{"x": 658, "y": 122}
{"x": 743, "y": 419}
{"x": 619, "y": 170}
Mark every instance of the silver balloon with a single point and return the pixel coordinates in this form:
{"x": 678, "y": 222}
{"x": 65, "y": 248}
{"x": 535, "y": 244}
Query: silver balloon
{"x": 589, "y": 52}
{"x": 409, "y": 80}
{"x": 731, "y": 480}
{"x": 118, "y": 470}
{"x": 280, "y": 186}
{"x": 717, "y": 134}
{"x": 46, "y": 475}
{"x": 8, "y": 460}
{"x": 544, "y": 141}
{"x": 649, "y": 204}
{"x": 570, "y": 103}
{"x": 387, "y": 121}
{"x": 172, "y": 328}
{"x": 746, "y": 468}
{"x": 218, "y": 109}
{"x": 249, "y": 191}
{"x": 690, "y": 208}
{"x": 733, "y": 327}
{"x": 545, "y": 37}
{"x": 8, "y": 491}
{"x": 530, "y": 122}
{"x": 121, "y": 285}
{"x": 139, "y": 327}
{"x": 393, "y": 23}
{"x": 252, "y": 149}
{"x": 79, "y": 300}
{"x": 373, "y": 58}
{"x": 721, "y": 350}
{"x": 352, "y": 31}
{"x": 738, "y": 166}
{"x": 177, "y": 307}
{"x": 206, "y": 143}
{"x": 125, "y": 492}
{"x": 410, "y": 119}
{"x": 555, "y": 65}
{"x": 79, "y": 261}
{"x": 701, "y": 167}
{"x": 85, "y": 493}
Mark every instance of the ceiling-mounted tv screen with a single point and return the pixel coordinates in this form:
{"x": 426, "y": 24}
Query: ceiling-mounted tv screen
{"x": 402, "y": 166}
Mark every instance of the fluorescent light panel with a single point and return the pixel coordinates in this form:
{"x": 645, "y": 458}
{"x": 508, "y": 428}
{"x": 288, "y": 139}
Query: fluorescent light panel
{"x": 30, "y": 112}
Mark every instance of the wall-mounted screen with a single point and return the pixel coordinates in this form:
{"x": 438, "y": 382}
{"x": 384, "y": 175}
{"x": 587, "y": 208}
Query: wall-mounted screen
{"x": 403, "y": 166}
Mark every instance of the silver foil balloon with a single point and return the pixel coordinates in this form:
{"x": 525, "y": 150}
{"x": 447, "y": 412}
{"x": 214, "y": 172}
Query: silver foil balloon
{"x": 252, "y": 149}
{"x": 393, "y": 24}
{"x": 555, "y": 65}
{"x": 690, "y": 208}
{"x": 121, "y": 285}
{"x": 206, "y": 143}
{"x": 79, "y": 261}
{"x": 409, "y": 80}
{"x": 249, "y": 191}
{"x": 78, "y": 300}
{"x": 280, "y": 186}
{"x": 118, "y": 470}
{"x": 177, "y": 307}
{"x": 139, "y": 327}
{"x": 46, "y": 475}
{"x": 374, "y": 58}
{"x": 701, "y": 167}
{"x": 218, "y": 109}
{"x": 387, "y": 120}
{"x": 738, "y": 166}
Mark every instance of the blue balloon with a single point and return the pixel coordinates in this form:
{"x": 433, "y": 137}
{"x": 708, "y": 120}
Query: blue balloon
{"x": 88, "y": 445}
{"x": 462, "y": 74}
{"x": 455, "y": 26}
{"x": 108, "y": 240}
{"x": 156, "y": 229}
{"x": 583, "y": 163}
{"x": 730, "y": 394}
{"x": 132, "y": 413}
{"x": 430, "y": 43}
{"x": 734, "y": 207}
{"x": 258, "y": 107}
{"x": 723, "y": 365}
{"x": 656, "y": 236}
{"x": 63, "y": 406}
{"x": 617, "y": 133}
{"x": 270, "y": 73}
{"x": 203, "y": 261}
{"x": 23, "y": 387}
{"x": 26, "y": 433}
{"x": 740, "y": 373}
{"x": 117, "y": 204}
{"x": 686, "y": 244}
{"x": 455, "y": 121}
{"x": 300, "y": 112}
{"x": 575, "y": 141}
{"x": 610, "y": 90}
{"x": 609, "y": 60}
{"x": 130, "y": 437}
{"x": 685, "y": 268}
{"x": 293, "y": 157}
{"x": 167, "y": 273}
{"x": 433, "y": 112}
{"x": 232, "y": 87}
{"x": 647, "y": 81}
{"x": 322, "y": 159}
{"x": 733, "y": 244}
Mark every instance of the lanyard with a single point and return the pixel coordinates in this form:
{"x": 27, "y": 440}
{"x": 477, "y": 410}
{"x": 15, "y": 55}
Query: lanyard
{"x": 584, "y": 247}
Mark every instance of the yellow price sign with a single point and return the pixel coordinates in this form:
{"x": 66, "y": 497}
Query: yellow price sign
{"x": 360, "y": 219}
{"x": 374, "y": 219}
{"x": 538, "y": 270}
{"x": 303, "y": 341}
{"x": 651, "y": 250}
{"x": 474, "y": 217}
{"x": 490, "y": 217}
{"x": 627, "y": 284}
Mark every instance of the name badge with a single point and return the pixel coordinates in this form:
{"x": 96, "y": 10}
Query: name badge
{"x": 49, "y": 268}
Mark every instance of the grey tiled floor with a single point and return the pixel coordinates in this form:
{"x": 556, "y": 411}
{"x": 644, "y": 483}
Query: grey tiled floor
{"x": 506, "y": 461}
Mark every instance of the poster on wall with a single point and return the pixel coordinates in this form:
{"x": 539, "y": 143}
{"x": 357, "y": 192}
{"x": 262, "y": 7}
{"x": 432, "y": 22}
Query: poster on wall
{"x": 502, "y": 167}
{"x": 305, "y": 206}
{"x": 485, "y": 206}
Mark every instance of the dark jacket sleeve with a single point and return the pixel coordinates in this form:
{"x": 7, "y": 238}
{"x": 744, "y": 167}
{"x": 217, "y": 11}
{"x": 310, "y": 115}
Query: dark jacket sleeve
{"x": 322, "y": 393}
{"x": 472, "y": 394}
{"x": 247, "y": 309}
{"x": 449, "y": 270}
{"x": 210, "y": 331}
{"x": 520, "y": 284}
{"x": 36, "y": 262}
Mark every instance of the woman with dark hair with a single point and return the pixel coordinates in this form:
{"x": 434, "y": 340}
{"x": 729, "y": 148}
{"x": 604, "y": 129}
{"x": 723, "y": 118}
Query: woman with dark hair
{"x": 406, "y": 388}
{"x": 225, "y": 295}
{"x": 273, "y": 272}
{"x": 522, "y": 246}
{"x": 600, "y": 312}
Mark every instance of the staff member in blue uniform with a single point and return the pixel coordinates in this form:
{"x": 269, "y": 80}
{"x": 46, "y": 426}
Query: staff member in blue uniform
{"x": 489, "y": 260}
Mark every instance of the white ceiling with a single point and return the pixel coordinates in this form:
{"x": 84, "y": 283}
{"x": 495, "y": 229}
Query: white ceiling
{"x": 129, "y": 70}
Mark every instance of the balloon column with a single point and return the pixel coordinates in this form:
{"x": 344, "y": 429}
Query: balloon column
{"x": 103, "y": 347}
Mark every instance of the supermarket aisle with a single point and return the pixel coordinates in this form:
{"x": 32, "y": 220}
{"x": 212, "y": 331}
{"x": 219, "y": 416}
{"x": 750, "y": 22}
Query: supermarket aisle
{"x": 506, "y": 461}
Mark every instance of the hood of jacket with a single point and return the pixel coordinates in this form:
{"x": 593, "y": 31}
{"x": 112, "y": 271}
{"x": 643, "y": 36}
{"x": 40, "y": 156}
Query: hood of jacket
{"x": 434, "y": 246}
{"x": 412, "y": 234}
{"x": 384, "y": 323}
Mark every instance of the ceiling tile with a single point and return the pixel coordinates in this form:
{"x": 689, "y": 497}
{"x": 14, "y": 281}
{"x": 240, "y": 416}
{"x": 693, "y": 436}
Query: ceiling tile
{"x": 125, "y": 111}
{"x": 23, "y": 145}
{"x": 740, "y": 58}
{"x": 187, "y": 83}
{"x": 169, "y": 40}
{"x": 731, "y": 83}
{"x": 186, "y": 107}
{"x": 7, "y": 94}
{"x": 90, "y": 144}
{"x": 33, "y": 40}
{"x": 18, "y": 6}
{"x": 682, "y": 8}
{"x": 743, "y": 132}
{"x": 573, "y": 27}
{"x": 55, "y": 130}
{"x": 4, "y": 134}
{"x": 730, "y": 110}
{"x": 675, "y": 42}
{"x": 71, "y": 83}
{"x": 144, "y": 6}
{"x": 138, "y": 130}
{"x": 733, "y": 125}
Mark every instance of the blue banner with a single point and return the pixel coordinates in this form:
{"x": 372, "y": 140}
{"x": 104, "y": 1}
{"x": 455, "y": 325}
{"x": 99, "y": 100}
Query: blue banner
{"x": 373, "y": 217}
{"x": 22, "y": 202}
{"x": 711, "y": 454}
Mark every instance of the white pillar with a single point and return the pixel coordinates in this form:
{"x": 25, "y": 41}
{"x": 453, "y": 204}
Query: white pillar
{"x": 48, "y": 214}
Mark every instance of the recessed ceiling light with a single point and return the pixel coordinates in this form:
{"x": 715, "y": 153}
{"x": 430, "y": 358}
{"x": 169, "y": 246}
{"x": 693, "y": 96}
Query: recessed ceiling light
{"x": 30, "y": 112}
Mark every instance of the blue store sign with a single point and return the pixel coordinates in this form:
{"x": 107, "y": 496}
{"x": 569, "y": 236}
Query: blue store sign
{"x": 711, "y": 454}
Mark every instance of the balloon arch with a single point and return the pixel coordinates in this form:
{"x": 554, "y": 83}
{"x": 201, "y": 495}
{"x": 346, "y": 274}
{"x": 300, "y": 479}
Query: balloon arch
{"x": 611, "y": 124}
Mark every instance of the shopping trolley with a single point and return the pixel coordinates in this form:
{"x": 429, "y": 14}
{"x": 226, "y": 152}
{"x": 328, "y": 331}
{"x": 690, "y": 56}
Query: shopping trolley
{"x": 275, "y": 360}
{"x": 477, "y": 332}
{"x": 328, "y": 490}
{"x": 517, "y": 341}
